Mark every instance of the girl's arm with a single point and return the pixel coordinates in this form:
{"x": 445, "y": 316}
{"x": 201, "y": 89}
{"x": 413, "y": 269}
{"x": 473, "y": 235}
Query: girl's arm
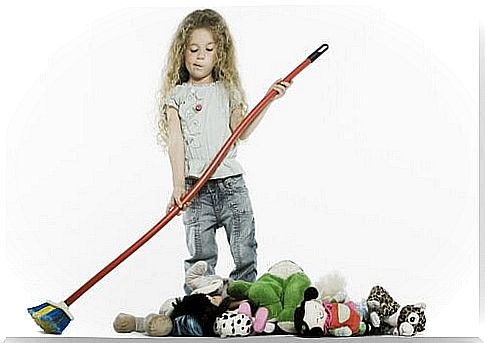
{"x": 237, "y": 115}
{"x": 176, "y": 154}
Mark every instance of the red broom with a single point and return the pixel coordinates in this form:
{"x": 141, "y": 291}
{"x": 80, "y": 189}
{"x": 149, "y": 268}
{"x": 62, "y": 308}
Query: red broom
{"x": 54, "y": 317}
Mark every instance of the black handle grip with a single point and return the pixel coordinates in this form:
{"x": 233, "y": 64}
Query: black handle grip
{"x": 314, "y": 55}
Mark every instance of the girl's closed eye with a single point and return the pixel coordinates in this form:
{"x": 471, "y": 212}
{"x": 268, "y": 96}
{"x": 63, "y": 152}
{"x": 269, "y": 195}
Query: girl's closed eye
{"x": 207, "y": 49}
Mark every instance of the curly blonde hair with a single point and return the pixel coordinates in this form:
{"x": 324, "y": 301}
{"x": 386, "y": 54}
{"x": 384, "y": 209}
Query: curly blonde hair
{"x": 175, "y": 72}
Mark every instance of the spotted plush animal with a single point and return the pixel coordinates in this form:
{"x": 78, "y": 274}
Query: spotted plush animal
{"x": 386, "y": 316}
{"x": 233, "y": 324}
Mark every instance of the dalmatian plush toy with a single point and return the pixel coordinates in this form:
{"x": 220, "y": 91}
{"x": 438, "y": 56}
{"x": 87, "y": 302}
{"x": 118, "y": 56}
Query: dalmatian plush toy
{"x": 388, "y": 317}
{"x": 236, "y": 324}
{"x": 233, "y": 324}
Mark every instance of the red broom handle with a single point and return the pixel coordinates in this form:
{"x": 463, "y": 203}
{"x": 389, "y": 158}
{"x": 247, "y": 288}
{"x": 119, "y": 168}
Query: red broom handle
{"x": 248, "y": 119}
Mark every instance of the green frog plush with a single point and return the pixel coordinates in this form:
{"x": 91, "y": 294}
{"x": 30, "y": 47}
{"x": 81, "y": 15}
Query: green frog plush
{"x": 280, "y": 290}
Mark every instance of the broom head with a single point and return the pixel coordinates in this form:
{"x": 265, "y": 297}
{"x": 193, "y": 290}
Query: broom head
{"x": 51, "y": 317}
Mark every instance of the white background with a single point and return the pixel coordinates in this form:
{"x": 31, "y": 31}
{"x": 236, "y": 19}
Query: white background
{"x": 369, "y": 165}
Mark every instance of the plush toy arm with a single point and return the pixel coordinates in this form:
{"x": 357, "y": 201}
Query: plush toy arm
{"x": 343, "y": 331}
{"x": 373, "y": 305}
{"x": 405, "y": 329}
{"x": 374, "y": 319}
{"x": 295, "y": 287}
{"x": 363, "y": 329}
{"x": 263, "y": 295}
{"x": 167, "y": 307}
{"x": 245, "y": 308}
{"x": 239, "y": 289}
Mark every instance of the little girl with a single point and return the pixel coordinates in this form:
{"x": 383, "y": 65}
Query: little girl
{"x": 200, "y": 103}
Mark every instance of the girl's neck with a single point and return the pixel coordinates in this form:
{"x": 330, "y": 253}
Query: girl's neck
{"x": 205, "y": 81}
{"x": 201, "y": 84}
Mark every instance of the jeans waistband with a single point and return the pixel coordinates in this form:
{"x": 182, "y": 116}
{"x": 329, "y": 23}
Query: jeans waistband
{"x": 192, "y": 180}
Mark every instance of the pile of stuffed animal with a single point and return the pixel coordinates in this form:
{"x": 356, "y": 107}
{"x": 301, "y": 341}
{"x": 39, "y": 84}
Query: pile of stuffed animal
{"x": 281, "y": 301}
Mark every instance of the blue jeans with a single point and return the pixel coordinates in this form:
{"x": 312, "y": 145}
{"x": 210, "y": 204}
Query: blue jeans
{"x": 221, "y": 203}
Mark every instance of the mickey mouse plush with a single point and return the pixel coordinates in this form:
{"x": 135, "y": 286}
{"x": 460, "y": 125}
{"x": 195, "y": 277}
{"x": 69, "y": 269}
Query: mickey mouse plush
{"x": 310, "y": 317}
{"x": 315, "y": 319}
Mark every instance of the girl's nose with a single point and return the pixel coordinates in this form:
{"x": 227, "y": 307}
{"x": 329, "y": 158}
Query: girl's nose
{"x": 201, "y": 55}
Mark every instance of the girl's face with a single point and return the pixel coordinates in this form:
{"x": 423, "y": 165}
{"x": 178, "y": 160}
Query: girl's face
{"x": 200, "y": 56}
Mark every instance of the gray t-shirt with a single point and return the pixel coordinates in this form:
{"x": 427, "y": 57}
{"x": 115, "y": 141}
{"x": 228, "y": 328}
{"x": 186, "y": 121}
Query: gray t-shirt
{"x": 204, "y": 111}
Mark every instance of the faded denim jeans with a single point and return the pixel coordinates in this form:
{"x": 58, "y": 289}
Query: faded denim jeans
{"x": 221, "y": 203}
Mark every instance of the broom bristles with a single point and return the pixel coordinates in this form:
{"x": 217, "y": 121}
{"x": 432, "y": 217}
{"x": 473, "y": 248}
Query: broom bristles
{"x": 51, "y": 317}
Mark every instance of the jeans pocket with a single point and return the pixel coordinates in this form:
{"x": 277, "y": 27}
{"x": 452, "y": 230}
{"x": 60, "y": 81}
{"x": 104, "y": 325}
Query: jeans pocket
{"x": 240, "y": 202}
{"x": 192, "y": 212}
{"x": 235, "y": 183}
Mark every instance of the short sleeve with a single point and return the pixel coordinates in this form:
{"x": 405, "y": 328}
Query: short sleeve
{"x": 173, "y": 99}
{"x": 236, "y": 100}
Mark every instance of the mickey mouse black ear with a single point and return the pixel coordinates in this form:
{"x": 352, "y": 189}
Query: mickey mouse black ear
{"x": 310, "y": 293}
